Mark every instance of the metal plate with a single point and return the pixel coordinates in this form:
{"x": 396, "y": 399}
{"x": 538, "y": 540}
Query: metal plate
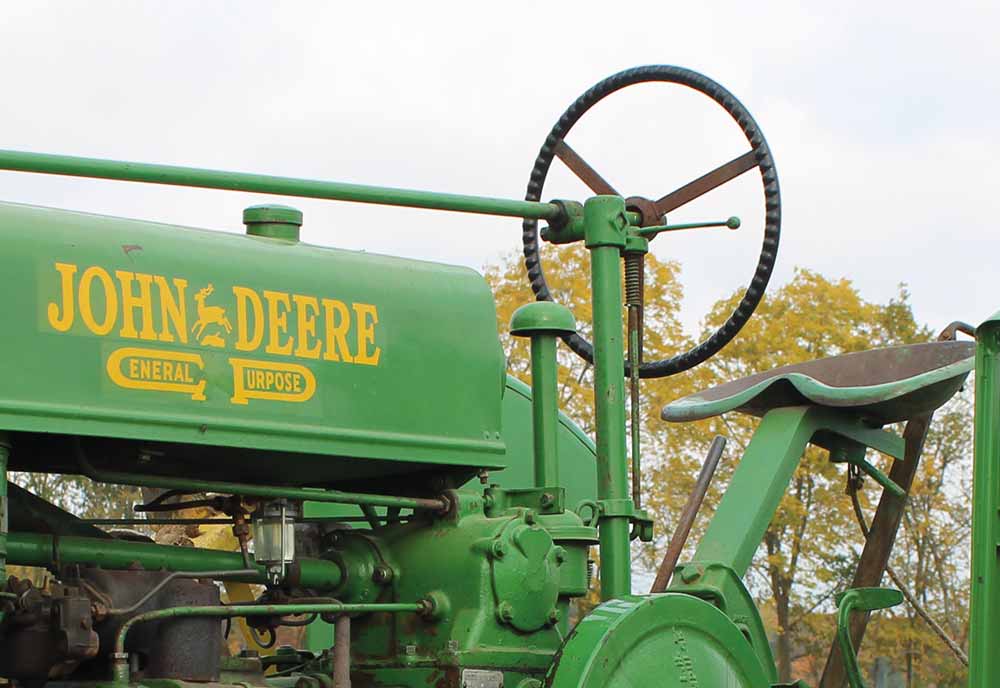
{"x": 480, "y": 678}
{"x": 657, "y": 641}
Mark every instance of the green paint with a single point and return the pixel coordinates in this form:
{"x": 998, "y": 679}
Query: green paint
{"x": 724, "y": 589}
{"x": 604, "y": 227}
{"x": 260, "y": 183}
{"x": 398, "y": 403}
{"x": 984, "y": 623}
{"x": 866, "y": 600}
{"x": 30, "y": 549}
{"x": 544, "y": 322}
{"x": 669, "y": 640}
{"x": 274, "y": 221}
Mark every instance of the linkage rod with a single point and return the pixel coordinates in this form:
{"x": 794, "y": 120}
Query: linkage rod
{"x": 43, "y": 163}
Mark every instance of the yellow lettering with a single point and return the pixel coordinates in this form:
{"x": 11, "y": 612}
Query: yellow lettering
{"x": 133, "y": 368}
{"x": 173, "y": 311}
{"x": 367, "y": 318}
{"x": 278, "y": 305}
{"x": 245, "y": 341}
{"x": 337, "y": 321}
{"x": 270, "y": 380}
{"x": 130, "y": 302}
{"x": 61, "y": 324}
{"x": 110, "y": 300}
{"x": 306, "y": 326}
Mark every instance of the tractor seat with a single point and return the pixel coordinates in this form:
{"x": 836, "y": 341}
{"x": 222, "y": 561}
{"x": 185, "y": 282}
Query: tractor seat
{"x": 883, "y": 385}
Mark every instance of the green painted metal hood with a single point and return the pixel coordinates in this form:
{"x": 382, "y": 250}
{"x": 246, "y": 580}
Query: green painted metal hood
{"x": 117, "y": 328}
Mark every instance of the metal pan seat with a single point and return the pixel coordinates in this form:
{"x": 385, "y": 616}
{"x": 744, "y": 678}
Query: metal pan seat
{"x": 882, "y": 385}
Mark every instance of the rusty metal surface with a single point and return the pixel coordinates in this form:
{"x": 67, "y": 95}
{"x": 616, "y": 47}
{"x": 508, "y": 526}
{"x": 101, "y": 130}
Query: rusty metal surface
{"x": 582, "y": 169}
{"x": 183, "y": 649}
{"x": 705, "y": 183}
{"x": 690, "y": 512}
{"x": 878, "y": 546}
{"x": 887, "y": 385}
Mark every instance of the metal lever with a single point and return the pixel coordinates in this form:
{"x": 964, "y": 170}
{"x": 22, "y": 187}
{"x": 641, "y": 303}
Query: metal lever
{"x": 691, "y": 509}
{"x": 862, "y": 599}
{"x": 650, "y": 232}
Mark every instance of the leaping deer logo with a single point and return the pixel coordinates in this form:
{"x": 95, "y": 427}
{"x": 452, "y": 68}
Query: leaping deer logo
{"x": 210, "y": 315}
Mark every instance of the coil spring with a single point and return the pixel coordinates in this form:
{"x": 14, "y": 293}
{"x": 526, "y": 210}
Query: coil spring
{"x": 634, "y": 278}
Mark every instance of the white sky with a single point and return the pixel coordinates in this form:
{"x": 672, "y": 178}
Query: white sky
{"x": 881, "y": 116}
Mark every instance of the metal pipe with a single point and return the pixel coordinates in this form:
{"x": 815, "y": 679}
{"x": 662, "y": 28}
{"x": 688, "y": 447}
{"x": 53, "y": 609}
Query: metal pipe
{"x": 54, "y": 551}
{"x": 690, "y": 511}
{"x": 207, "y": 520}
{"x": 259, "y": 183}
{"x": 342, "y": 651}
{"x": 605, "y": 238}
{"x": 545, "y": 409}
{"x": 272, "y": 492}
{"x": 984, "y": 621}
{"x": 121, "y": 667}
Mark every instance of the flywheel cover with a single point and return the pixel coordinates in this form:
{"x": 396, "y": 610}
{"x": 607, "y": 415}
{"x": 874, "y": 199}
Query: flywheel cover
{"x": 669, "y": 640}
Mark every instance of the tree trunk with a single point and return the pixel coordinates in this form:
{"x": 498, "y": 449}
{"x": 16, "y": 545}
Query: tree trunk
{"x": 784, "y": 643}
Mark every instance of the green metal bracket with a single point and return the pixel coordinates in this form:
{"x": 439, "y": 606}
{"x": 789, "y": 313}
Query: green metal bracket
{"x": 641, "y": 522}
{"x": 766, "y": 468}
{"x": 861, "y": 599}
{"x": 722, "y": 586}
{"x": 543, "y": 500}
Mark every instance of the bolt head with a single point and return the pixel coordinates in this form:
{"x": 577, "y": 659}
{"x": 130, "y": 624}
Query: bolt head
{"x": 498, "y": 549}
{"x": 553, "y": 617}
{"x": 691, "y": 573}
{"x": 505, "y": 612}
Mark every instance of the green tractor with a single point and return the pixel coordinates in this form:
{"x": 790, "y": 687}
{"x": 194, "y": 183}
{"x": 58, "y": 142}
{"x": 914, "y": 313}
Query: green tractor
{"x": 346, "y": 421}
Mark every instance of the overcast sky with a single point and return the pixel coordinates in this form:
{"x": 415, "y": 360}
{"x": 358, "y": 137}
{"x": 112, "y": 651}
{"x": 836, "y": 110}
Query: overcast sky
{"x": 882, "y": 117}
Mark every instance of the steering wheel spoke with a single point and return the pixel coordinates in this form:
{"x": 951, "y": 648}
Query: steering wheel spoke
{"x": 652, "y": 212}
{"x": 707, "y": 182}
{"x": 582, "y": 169}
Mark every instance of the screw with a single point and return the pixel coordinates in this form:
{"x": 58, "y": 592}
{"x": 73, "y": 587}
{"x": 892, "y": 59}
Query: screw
{"x": 505, "y": 612}
{"x": 382, "y": 574}
{"x": 547, "y": 500}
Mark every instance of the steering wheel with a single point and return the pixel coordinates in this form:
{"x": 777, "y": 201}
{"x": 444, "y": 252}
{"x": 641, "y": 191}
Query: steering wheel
{"x": 653, "y": 211}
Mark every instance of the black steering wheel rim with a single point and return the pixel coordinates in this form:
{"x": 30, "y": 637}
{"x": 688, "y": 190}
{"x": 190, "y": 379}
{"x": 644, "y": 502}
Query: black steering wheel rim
{"x": 772, "y": 204}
